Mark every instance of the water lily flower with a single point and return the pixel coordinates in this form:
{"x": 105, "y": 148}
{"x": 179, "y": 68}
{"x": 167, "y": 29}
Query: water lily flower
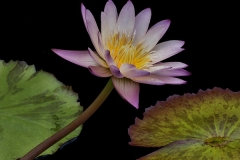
{"x": 127, "y": 51}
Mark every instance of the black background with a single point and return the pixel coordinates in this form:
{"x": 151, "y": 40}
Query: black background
{"x": 210, "y": 30}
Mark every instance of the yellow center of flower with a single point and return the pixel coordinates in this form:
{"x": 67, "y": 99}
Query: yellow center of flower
{"x": 123, "y": 51}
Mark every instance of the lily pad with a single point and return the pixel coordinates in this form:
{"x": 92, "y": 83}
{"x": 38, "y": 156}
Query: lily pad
{"x": 33, "y": 106}
{"x": 205, "y": 125}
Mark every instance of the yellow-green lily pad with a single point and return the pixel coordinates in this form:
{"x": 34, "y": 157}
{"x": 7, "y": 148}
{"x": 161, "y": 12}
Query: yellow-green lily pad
{"x": 33, "y": 106}
{"x": 205, "y": 125}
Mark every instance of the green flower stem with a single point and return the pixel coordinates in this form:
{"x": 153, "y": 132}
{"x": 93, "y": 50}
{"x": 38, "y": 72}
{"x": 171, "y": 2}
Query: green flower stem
{"x": 72, "y": 126}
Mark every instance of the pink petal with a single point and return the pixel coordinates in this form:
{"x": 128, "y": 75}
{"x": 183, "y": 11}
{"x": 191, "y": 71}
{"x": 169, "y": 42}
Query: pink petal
{"x": 156, "y": 68}
{"x": 158, "y": 80}
{"x": 154, "y": 34}
{"x": 83, "y": 10}
{"x": 174, "y": 72}
{"x": 90, "y": 19}
{"x": 108, "y": 58}
{"x": 150, "y": 79}
{"x": 100, "y": 71}
{"x": 98, "y": 59}
{"x": 126, "y": 18}
{"x": 128, "y": 89}
{"x": 104, "y": 27}
{"x": 115, "y": 71}
{"x": 142, "y": 21}
{"x": 81, "y": 58}
{"x": 171, "y": 80}
{"x": 92, "y": 29}
{"x": 111, "y": 12}
{"x": 166, "y": 49}
{"x": 90, "y": 25}
{"x": 172, "y": 65}
{"x": 130, "y": 71}
{"x": 100, "y": 45}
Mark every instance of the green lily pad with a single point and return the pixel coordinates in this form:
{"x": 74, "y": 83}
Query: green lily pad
{"x": 33, "y": 106}
{"x": 205, "y": 125}
{"x": 193, "y": 149}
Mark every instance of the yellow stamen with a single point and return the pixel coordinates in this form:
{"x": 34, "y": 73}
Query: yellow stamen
{"x": 123, "y": 51}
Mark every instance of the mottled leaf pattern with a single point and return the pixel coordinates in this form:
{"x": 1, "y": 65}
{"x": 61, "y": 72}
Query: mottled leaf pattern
{"x": 192, "y": 126}
{"x": 33, "y": 106}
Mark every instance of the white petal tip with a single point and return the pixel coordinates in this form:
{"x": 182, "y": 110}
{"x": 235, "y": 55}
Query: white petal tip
{"x": 178, "y": 43}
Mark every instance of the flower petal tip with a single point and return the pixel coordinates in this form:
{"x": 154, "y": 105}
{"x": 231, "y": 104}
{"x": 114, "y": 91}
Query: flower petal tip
{"x": 148, "y": 10}
{"x": 180, "y": 83}
{"x": 167, "y": 20}
{"x": 188, "y": 73}
{"x": 179, "y": 43}
{"x": 60, "y": 52}
{"x": 83, "y": 8}
{"x": 55, "y": 50}
{"x": 182, "y": 42}
{"x": 136, "y": 106}
{"x": 134, "y": 101}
